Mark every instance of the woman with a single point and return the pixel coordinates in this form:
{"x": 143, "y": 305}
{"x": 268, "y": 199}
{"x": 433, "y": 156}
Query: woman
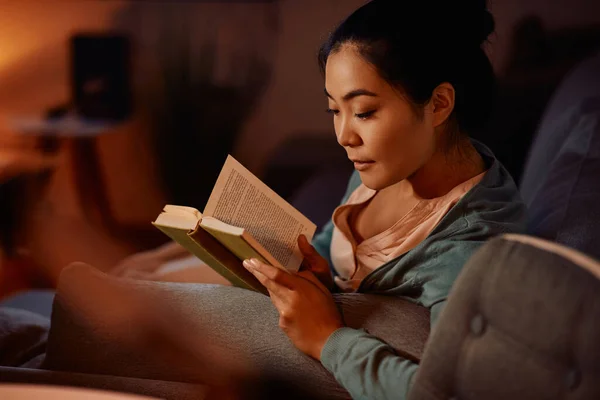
{"x": 406, "y": 83}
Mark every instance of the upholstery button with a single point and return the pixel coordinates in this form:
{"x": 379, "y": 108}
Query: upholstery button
{"x": 477, "y": 325}
{"x": 572, "y": 379}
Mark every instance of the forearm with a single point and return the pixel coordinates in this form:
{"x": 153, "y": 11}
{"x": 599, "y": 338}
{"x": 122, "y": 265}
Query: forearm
{"x": 367, "y": 367}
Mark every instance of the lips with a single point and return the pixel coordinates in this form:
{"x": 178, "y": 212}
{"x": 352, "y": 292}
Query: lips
{"x": 361, "y": 165}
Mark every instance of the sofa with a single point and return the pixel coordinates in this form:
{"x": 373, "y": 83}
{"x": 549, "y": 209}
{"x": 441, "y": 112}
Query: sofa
{"x": 522, "y": 320}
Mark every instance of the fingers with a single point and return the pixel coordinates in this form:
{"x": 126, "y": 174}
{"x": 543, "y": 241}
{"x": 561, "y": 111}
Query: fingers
{"x": 305, "y": 248}
{"x": 271, "y": 277}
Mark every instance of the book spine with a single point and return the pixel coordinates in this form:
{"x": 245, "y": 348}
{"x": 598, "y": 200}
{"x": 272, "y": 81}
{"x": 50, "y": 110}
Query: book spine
{"x": 225, "y": 259}
{"x": 216, "y": 256}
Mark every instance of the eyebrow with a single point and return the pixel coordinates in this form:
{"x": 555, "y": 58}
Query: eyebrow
{"x": 352, "y": 94}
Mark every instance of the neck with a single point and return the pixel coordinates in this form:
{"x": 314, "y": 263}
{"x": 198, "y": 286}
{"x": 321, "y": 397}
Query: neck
{"x": 444, "y": 171}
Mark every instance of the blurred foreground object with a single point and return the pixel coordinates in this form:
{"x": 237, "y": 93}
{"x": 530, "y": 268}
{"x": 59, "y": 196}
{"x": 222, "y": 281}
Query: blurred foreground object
{"x": 24, "y": 172}
{"x": 29, "y": 392}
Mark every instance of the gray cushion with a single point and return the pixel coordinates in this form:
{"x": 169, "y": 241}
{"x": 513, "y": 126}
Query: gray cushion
{"x": 23, "y": 337}
{"x": 196, "y": 333}
{"x": 520, "y": 323}
{"x": 560, "y": 181}
{"x": 580, "y": 84}
{"x": 35, "y": 301}
{"x": 564, "y": 205}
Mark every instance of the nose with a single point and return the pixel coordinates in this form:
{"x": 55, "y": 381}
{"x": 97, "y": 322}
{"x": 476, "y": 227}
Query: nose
{"x": 346, "y": 134}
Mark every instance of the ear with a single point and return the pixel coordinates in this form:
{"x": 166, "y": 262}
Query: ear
{"x": 442, "y": 103}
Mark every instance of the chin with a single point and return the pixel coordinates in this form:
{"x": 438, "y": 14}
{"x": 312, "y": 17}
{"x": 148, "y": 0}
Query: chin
{"x": 375, "y": 180}
{"x": 372, "y": 181}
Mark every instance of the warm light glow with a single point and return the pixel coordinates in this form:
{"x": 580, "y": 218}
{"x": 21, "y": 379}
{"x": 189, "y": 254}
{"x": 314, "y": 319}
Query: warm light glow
{"x": 26, "y": 26}
{"x": 34, "y": 38}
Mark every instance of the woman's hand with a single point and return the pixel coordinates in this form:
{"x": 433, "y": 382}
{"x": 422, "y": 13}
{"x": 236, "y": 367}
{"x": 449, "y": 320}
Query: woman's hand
{"x": 314, "y": 263}
{"x": 307, "y": 312}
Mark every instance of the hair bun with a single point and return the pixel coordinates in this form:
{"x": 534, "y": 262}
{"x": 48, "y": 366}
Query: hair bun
{"x": 478, "y": 22}
{"x": 468, "y": 21}
{"x": 488, "y": 25}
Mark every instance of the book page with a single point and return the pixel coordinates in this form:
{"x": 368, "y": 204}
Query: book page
{"x": 239, "y": 198}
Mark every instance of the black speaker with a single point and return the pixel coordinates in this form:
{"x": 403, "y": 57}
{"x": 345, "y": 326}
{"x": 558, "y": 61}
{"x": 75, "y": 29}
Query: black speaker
{"x": 100, "y": 76}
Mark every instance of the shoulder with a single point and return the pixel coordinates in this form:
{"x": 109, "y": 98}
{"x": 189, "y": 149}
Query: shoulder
{"x": 426, "y": 272}
{"x": 493, "y": 206}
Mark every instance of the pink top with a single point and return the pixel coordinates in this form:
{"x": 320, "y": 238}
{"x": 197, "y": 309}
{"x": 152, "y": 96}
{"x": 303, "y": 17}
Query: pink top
{"x": 354, "y": 262}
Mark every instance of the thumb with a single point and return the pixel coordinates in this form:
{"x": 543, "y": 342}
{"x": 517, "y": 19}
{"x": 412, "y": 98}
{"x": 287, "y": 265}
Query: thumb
{"x": 306, "y": 248}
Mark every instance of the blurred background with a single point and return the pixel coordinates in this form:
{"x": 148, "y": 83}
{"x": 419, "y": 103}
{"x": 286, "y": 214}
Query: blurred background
{"x": 110, "y": 109}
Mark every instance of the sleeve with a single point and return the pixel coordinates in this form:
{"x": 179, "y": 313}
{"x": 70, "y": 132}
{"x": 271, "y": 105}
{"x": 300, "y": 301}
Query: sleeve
{"x": 367, "y": 367}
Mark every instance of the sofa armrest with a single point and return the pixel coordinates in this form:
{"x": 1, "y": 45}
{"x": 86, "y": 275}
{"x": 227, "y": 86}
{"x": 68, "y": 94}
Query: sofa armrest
{"x": 521, "y": 322}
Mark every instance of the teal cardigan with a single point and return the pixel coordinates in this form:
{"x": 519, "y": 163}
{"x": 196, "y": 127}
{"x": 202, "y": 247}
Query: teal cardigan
{"x": 366, "y": 366}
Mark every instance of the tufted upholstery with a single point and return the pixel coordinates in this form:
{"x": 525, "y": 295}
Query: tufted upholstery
{"x": 522, "y": 322}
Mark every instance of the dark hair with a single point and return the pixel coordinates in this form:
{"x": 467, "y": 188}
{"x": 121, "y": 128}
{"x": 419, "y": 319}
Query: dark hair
{"x": 416, "y": 45}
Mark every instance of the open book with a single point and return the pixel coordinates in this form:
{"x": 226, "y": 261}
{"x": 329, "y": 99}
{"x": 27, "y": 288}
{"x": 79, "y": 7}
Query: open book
{"x": 243, "y": 219}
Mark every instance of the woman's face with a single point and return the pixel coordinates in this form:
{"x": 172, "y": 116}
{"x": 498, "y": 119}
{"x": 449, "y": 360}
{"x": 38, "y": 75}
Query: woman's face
{"x": 382, "y": 134}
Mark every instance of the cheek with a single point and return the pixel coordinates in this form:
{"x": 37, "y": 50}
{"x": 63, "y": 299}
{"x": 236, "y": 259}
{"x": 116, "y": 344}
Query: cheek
{"x": 401, "y": 147}
{"x": 397, "y": 138}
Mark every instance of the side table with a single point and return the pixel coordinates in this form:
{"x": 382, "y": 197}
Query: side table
{"x": 79, "y": 137}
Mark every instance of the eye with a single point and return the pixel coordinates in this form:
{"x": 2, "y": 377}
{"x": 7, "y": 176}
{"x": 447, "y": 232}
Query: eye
{"x": 365, "y": 115}
{"x": 332, "y": 111}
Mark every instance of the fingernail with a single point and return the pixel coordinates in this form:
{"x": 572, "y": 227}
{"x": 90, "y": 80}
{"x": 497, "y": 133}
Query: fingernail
{"x": 254, "y": 263}
{"x": 248, "y": 264}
